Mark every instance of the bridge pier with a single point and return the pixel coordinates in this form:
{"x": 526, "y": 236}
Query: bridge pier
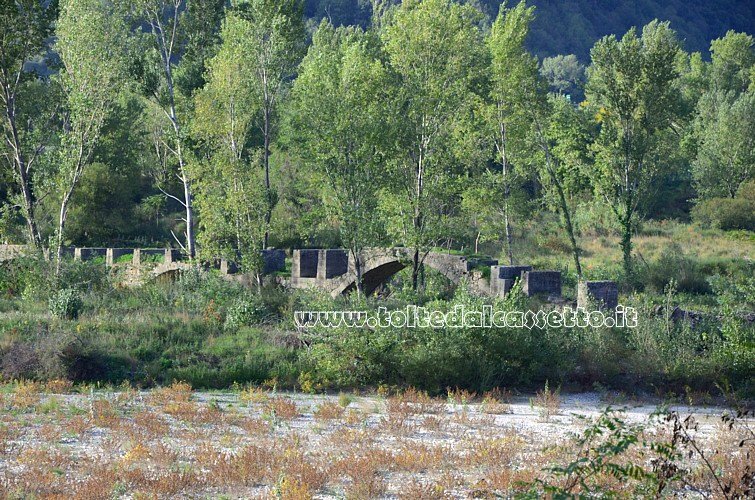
{"x": 542, "y": 282}
{"x": 604, "y": 294}
{"x": 503, "y": 278}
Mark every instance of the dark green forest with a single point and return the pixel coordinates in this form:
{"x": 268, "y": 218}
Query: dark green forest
{"x": 571, "y": 27}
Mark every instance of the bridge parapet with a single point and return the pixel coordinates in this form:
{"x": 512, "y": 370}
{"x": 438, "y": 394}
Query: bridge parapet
{"x": 334, "y": 270}
{"x": 542, "y": 282}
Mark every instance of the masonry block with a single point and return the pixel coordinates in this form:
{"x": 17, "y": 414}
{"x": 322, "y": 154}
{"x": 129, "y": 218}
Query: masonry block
{"x": 502, "y": 278}
{"x": 509, "y": 272}
{"x": 336, "y": 263}
{"x": 308, "y": 260}
{"x": 8, "y": 252}
{"x": 273, "y": 260}
{"x": 604, "y": 294}
{"x": 542, "y": 282}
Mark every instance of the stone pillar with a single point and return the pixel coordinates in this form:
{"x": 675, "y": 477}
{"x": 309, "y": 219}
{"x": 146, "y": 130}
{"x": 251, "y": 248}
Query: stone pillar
{"x": 336, "y": 263}
{"x": 502, "y": 278}
{"x": 542, "y": 282}
{"x": 171, "y": 255}
{"x": 603, "y": 294}
{"x": 227, "y": 267}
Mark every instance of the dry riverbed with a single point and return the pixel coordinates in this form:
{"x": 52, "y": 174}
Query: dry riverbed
{"x": 255, "y": 443}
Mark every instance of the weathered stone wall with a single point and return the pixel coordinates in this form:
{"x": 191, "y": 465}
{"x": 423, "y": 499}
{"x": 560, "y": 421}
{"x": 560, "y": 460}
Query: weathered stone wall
{"x": 8, "y": 252}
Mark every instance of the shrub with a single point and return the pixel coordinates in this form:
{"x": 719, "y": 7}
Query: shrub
{"x": 674, "y": 264}
{"x": 66, "y": 304}
{"x": 244, "y": 312}
{"x": 726, "y": 213}
{"x": 729, "y": 213}
{"x": 84, "y": 276}
{"x": 37, "y": 358}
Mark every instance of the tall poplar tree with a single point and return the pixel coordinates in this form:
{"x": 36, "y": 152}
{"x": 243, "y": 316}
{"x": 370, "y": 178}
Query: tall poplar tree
{"x": 277, "y": 44}
{"x": 91, "y": 43}
{"x": 25, "y": 26}
{"x": 231, "y": 198}
{"x": 435, "y": 51}
{"x": 631, "y": 86}
{"x": 339, "y": 129}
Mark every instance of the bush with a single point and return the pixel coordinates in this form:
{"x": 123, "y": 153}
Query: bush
{"x": 726, "y": 213}
{"x": 66, "y": 304}
{"x": 729, "y": 213}
{"x": 675, "y": 265}
{"x": 245, "y": 312}
{"x": 36, "y": 358}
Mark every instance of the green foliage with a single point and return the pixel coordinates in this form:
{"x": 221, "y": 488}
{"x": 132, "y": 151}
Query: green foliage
{"x": 630, "y": 86}
{"x": 564, "y": 74}
{"x": 724, "y": 125}
{"x": 341, "y": 89}
{"x": 27, "y": 105}
{"x": 729, "y": 213}
{"x": 434, "y": 50}
{"x": 675, "y": 266}
{"x": 245, "y": 312}
{"x": 91, "y": 42}
{"x": 66, "y": 304}
{"x": 433, "y": 128}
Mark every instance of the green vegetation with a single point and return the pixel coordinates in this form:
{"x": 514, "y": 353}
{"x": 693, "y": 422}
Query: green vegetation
{"x": 572, "y": 27}
{"x": 607, "y": 140}
{"x": 212, "y": 333}
{"x": 223, "y": 128}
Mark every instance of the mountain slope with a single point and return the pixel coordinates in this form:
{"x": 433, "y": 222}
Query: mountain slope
{"x": 573, "y": 26}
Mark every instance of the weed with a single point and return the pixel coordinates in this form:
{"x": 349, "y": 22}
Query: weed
{"x": 329, "y": 411}
{"x": 547, "y": 401}
{"x": 281, "y": 408}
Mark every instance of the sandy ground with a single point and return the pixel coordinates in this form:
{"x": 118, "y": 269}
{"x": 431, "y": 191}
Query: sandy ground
{"x": 175, "y": 443}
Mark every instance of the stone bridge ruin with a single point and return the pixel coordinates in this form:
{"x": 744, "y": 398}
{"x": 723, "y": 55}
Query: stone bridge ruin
{"x": 333, "y": 270}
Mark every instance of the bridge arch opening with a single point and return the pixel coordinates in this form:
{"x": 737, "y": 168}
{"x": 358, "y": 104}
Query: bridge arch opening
{"x": 379, "y": 274}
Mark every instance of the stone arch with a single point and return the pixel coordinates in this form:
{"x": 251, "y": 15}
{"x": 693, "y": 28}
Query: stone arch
{"x": 380, "y": 268}
{"x": 168, "y": 271}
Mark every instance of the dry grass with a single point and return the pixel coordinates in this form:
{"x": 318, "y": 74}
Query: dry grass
{"x": 496, "y": 402}
{"x": 26, "y": 394}
{"x": 58, "y": 386}
{"x": 172, "y": 442}
{"x": 281, "y": 408}
{"x": 329, "y": 411}
{"x": 177, "y": 392}
{"x": 253, "y": 394}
